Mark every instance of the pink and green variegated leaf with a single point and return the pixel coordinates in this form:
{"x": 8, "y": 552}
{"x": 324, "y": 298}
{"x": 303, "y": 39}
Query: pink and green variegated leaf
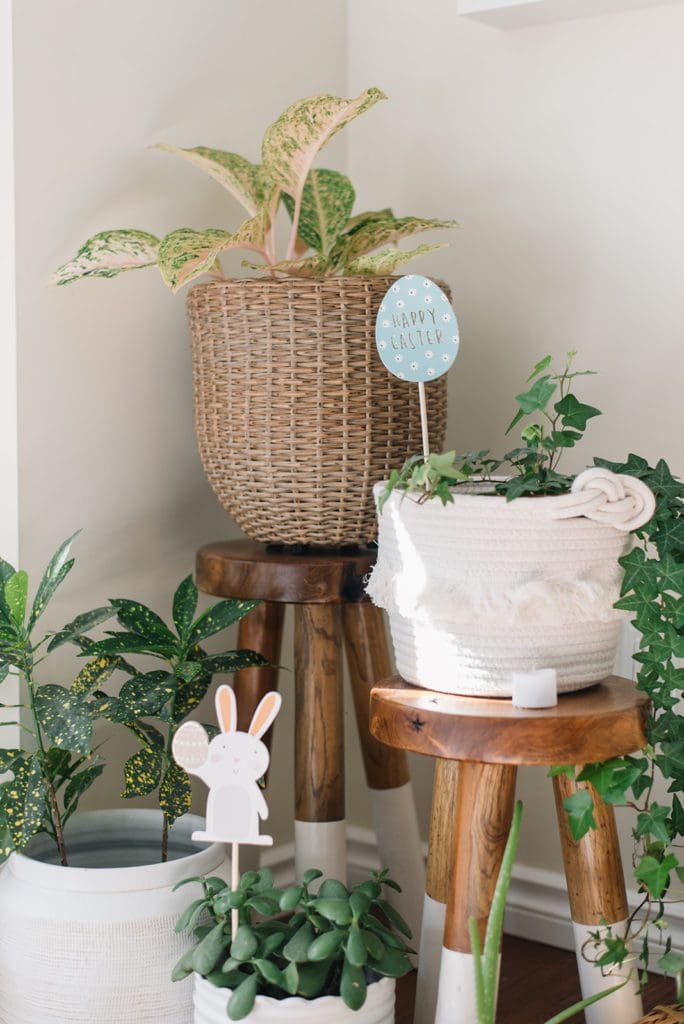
{"x": 291, "y": 143}
{"x": 327, "y": 201}
{"x": 240, "y": 177}
{"x": 110, "y": 253}
{"x": 311, "y": 266}
{"x": 367, "y": 217}
{"x": 387, "y": 231}
{"x": 388, "y": 260}
{"x": 185, "y": 254}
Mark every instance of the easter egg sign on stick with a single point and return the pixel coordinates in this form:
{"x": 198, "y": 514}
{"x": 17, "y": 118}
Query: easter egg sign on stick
{"x": 230, "y": 765}
{"x": 416, "y": 333}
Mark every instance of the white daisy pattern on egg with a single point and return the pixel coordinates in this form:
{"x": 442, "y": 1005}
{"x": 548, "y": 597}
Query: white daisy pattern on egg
{"x": 416, "y": 329}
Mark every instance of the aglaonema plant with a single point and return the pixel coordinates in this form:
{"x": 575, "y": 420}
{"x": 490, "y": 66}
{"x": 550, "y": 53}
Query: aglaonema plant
{"x": 153, "y": 704}
{"x": 324, "y": 237}
{"x": 486, "y": 961}
{"x": 292, "y": 942}
{"x": 46, "y": 781}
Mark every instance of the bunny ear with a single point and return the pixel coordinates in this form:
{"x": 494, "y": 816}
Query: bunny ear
{"x": 226, "y": 709}
{"x": 269, "y": 707}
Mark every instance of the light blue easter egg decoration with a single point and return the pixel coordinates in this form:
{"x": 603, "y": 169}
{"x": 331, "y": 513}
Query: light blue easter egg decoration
{"x": 416, "y": 330}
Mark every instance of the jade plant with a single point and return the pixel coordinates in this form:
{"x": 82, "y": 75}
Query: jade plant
{"x": 45, "y": 782}
{"x": 324, "y": 237}
{"x": 558, "y": 422}
{"x": 486, "y": 960}
{"x": 293, "y": 942}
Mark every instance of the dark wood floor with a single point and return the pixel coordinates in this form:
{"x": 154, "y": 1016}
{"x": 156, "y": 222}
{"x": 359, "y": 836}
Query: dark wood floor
{"x": 536, "y": 983}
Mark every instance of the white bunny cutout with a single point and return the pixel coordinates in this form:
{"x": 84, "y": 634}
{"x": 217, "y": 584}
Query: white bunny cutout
{"x": 230, "y": 765}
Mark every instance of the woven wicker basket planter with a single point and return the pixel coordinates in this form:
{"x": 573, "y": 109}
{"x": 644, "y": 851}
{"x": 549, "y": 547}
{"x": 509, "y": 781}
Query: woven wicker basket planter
{"x": 296, "y": 417}
{"x": 664, "y": 1015}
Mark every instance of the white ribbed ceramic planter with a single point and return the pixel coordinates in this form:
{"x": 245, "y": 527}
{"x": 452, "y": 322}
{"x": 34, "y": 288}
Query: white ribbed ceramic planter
{"x": 211, "y": 1003}
{"x": 95, "y": 943}
{"x": 482, "y": 588}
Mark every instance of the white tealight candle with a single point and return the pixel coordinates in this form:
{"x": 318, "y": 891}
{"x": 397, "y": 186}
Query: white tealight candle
{"x": 535, "y": 689}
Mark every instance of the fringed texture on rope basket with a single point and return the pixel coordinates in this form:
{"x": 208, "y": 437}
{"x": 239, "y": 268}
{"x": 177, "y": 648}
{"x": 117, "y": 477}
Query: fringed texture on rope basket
{"x": 296, "y": 417}
{"x": 664, "y": 1015}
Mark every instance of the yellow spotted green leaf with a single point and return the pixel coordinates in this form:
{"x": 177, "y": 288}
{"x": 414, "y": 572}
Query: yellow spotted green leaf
{"x": 140, "y": 619}
{"x": 142, "y": 772}
{"x": 74, "y": 629}
{"x": 58, "y": 567}
{"x": 292, "y": 142}
{"x": 236, "y": 174}
{"x": 23, "y": 801}
{"x": 218, "y": 617}
{"x": 16, "y": 590}
{"x": 175, "y": 793}
{"x": 110, "y": 253}
{"x": 327, "y": 202}
{"x": 94, "y": 673}
{"x": 64, "y": 718}
{"x": 145, "y": 695}
{"x": 388, "y": 260}
{"x": 184, "y": 606}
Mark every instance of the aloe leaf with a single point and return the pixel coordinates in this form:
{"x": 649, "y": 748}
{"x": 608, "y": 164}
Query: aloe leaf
{"x": 327, "y": 201}
{"x": 236, "y": 174}
{"x": 495, "y": 922}
{"x": 583, "y": 1004}
{"x": 480, "y": 1001}
{"x": 110, "y": 253}
{"x": 292, "y": 142}
{"x": 388, "y": 260}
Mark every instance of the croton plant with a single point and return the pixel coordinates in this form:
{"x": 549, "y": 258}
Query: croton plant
{"x": 324, "y": 237}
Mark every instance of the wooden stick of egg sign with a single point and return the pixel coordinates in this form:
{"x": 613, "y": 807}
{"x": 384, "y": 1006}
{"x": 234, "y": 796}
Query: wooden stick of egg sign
{"x": 416, "y": 333}
{"x": 230, "y": 765}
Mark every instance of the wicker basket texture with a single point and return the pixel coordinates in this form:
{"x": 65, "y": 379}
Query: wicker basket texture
{"x": 296, "y": 417}
{"x": 664, "y": 1015}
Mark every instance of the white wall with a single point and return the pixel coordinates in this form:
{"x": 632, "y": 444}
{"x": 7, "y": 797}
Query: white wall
{"x": 559, "y": 151}
{"x": 106, "y": 438}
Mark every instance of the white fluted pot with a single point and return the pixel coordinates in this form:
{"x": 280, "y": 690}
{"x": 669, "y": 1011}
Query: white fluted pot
{"x": 482, "y": 588}
{"x": 211, "y": 1003}
{"x": 94, "y": 943}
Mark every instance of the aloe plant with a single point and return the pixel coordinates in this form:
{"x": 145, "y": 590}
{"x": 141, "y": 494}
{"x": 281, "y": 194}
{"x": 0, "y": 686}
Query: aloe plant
{"x": 324, "y": 237}
{"x": 486, "y": 962}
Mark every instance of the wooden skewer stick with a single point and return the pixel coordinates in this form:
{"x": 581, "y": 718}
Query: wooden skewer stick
{"x": 234, "y": 883}
{"x": 424, "y": 419}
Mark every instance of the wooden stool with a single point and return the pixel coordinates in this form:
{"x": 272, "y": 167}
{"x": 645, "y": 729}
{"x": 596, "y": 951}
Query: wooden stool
{"x": 471, "y": 815}
{"x": 331, "y": 611}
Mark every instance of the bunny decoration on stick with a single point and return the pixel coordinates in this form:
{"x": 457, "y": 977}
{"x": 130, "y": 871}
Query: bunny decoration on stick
{"x": 230, "y": 765}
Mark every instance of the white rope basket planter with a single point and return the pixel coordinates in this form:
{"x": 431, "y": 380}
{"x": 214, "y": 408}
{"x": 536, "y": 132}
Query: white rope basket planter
{"x": 482, "y": 588}
{"x": 211, "y": 1003}
{"x": 95, "y": 943}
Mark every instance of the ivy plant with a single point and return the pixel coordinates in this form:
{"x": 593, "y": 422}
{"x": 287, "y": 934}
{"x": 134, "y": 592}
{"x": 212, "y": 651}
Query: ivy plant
{"x": 45, "y": 782}
{"x": 555, "y": 421}
{"x": 152, "y": 704}
{"x": 292, "y": 942}
{"x": 325, "y": 238}
{"x": 653, "y": 595}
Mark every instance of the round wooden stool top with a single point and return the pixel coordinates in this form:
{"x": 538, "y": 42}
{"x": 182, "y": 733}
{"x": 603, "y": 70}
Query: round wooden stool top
{"x": 244, "y": 569}
{"x": 591, "y": 725}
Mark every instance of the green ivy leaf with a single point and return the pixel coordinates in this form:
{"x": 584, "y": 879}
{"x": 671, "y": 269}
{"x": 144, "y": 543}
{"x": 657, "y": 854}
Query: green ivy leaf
{"x": 574, "y": 413}
{"x": 175, "y": 793}
{"x": 539, "y": 367}
{"x": 654, "y": 822}
{"x": 655, "y": 873}
{"x": 142, "y": 772}
{"x": 184, "y": 606}
{"x": 218, "y": 617}
{"x": 534, "y": 400}
{"x": 580, "y": 810}
{"x": 64, "y": 718}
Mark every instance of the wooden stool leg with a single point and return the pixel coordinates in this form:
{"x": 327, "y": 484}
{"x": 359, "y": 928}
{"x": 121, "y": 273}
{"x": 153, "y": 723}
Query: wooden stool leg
{"x": 387, "y": 772}
{"x": 596, "y": 888}
{"x": 440, "y": 857}
{"x": 320, "y": 832}
{"x": 484, "y": 808}
{"x": 261, "y": 631}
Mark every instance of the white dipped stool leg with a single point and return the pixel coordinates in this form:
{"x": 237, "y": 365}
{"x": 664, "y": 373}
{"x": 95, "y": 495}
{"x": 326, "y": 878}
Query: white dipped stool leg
{"x": 320, "y": 833}
{"x": 596, "y": 888}
{"x": 387, "y": 773}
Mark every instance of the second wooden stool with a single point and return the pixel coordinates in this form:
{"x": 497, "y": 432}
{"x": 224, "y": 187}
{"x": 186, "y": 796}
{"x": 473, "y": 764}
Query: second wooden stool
{"x": 331, "y": 612}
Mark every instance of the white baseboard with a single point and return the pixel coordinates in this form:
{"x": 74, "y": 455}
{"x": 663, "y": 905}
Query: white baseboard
{"x": 537, "y": 906}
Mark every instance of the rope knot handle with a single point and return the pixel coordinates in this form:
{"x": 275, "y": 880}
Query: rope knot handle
{"x": 614, "y": 499}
